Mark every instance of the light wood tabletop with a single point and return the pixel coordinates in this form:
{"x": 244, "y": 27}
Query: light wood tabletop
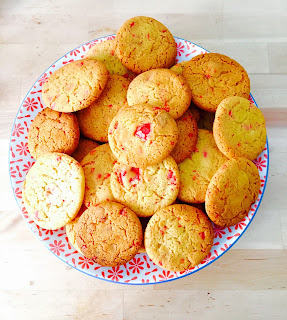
{"x": 249, "y": 281}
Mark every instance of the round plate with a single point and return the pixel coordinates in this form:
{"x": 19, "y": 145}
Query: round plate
{"x": 140, "y": 270}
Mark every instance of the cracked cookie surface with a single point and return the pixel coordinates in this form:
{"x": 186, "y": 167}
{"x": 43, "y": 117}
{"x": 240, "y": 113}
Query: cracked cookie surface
{"x": 178, "y": 68}
{"x": 213, "y": 77}
{"x": 98, "y": 166}
{"x": 53, "y": 191}
{"x": 178, "y": 237}
{"x": 75, "y": 85}
{"x": 239, "y": 128}
{"x": 162, "y": 88}
{"x": 84, "y": 147}
{"x": 146, "y": 190}
{"x": 142, "y": 135}
{"x": 110, "y": 234}
{"x": 94, "y": 121}
{"x": 187, "y": 137}
{"x": 143, "y": 43}
{"x": 53, "y": 131}
{"x": 199, "y": 167}
{"x": 231, "y": 192}
{"x": 105, "y": 52}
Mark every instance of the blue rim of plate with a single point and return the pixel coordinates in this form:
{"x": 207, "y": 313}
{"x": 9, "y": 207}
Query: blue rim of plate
{"x": 130, "y": 283}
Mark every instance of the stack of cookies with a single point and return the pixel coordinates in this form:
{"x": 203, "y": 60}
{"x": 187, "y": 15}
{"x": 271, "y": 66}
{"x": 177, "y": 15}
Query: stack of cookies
{"x": 131, "y": 146}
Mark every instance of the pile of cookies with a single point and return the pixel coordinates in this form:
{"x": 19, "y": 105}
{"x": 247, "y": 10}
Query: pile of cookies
{"x": 131, "y": 146}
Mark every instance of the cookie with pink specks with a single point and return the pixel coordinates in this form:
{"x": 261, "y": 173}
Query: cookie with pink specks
{"x": 75, "y": 85}
{"x": 83, "y": 148}
{"x": 146, "y": 190}
{"x": 239, "y": 128}
{"x": 178, "y": 237}
{"x": 199, "y": 167}
{"x": 54, "y": 189}
{"x": 98, "y": 166}
{"x": 142, "y": 135}
{"x": 110, "y": 234}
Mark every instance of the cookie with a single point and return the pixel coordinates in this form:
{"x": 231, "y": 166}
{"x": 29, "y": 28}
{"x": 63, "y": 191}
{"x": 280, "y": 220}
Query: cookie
{"x": 84, "y": 147}
{"x": 206, "y": 120}
{"x": 105, "y": 52}
{"x": 239, "y": 128}
{"x": 54, "y": 189}
{"x": 197, "y": 170}
{"x": 178, "y": 68}
{"x": 195, "y": 112}
{"x": 178, "y": 237}
{"x": 75, "y": 85}
{"x": 187, "y": 137}
{"x": 98, "y": 166}
{"x": 143, "y": 43}
{"x": 231, "y": 192}
{"x": 53, "y": 131}
{"x": 146, "y": 190}
{"x": 142, "y": 135}
{"x": 110, "y": 234}
{"x": 94, "y": 121}
{"x": 213, "y": 77}
{"x": 162, "y": 88}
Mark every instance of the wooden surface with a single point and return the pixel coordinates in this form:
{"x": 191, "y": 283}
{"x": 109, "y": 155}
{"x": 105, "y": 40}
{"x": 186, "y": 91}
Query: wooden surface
{"x": 250, "y": 280}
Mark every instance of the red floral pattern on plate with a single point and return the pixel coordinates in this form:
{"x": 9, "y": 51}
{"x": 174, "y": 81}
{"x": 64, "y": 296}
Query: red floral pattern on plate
{"x": 140, "y": 270}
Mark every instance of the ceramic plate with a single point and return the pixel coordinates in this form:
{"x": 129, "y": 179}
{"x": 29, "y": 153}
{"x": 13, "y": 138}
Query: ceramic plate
{"x": 140, "y": 270}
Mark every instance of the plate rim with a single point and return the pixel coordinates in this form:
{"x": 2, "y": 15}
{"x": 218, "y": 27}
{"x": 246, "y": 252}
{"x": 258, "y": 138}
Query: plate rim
{"x": 105, "y": 279}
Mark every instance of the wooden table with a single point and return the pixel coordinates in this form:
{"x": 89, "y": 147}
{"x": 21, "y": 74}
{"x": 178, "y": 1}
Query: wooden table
{"x": 247, "y": 282}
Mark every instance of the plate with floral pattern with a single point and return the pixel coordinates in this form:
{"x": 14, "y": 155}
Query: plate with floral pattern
{"x": 139, "y": 270}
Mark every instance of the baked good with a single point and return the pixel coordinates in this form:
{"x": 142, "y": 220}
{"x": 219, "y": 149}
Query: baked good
{"x": 143, "y": 43}
{"x": 110, "y": 234}
{"x": 105, "y": 52}
{"x": 146, "y": 190}
{"x": 94, "y": 121}
{"x": 195, "y": 112}
{"x": 178, "y": 68}
{"x": 213, "y": 77}
{"x": 83, "y": 148}
{"x": 231, "y": 192}
{"x": 239, "y": 128}
{"x": 162, "y": 88}
{"x": 53, "y": 131}
{"x": 178, "y": 237}
{"x": 75, "y": 85}
{"x": 142, "y": 135}
{"x": 187, "y": 137}
{"x": 98, "y": 165}
{"x": 54, "y": 189}
{"x": 199, "y": 167}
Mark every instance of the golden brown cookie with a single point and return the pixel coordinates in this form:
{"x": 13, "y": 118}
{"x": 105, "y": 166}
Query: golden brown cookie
{"x": 54, "y": 189}
{"x": 105, "y": 52}
{"x": 53, "y": 131}
{"x": 98, "y": 166}
{"x": 143, "y": 43}
{"x": 162, "y": 88}
{"x": 110, "y": 234}
{"x": 94, "y": 121}
{"x": 187, "y": 137}
{"x": 142, "y": 135}
{"x": 146, "y": 190}
{"x": 231, "y": 192}
{"x": 213, "y": 77}
{"x": 178, "y": 68}
{"x": 195, "y": 112}
{"x": 239, "y": 128}
{"x": 75, "y": 85}
{"x": 178, "y": 237}
{"x": 197, "y": 170}
{"x": 84, "y": 147}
